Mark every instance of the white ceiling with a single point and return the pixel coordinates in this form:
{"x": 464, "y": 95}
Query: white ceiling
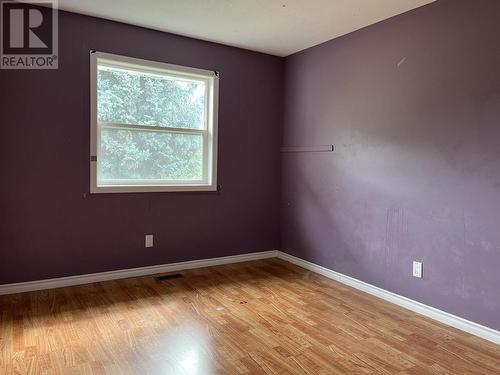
{"x": 277, "y": 27}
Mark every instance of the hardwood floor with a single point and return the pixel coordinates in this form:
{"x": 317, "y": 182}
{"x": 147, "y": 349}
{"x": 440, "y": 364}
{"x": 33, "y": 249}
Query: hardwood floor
{"x": 266, "y": 317}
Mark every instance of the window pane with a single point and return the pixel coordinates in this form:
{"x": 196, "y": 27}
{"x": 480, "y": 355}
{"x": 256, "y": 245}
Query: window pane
{"x": 131, "y": 97}
{"x": 142, "y": 155}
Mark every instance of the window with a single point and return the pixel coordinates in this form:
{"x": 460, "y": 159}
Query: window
{"x": 153, "y": 126}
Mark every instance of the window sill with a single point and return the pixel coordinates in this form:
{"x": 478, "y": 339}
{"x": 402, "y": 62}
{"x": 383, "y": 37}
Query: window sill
{"x": 152, "y": 189}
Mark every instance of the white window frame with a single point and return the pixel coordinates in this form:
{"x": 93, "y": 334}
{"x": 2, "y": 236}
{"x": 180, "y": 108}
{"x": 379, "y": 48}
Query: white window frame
{"x": 209, "y": 133}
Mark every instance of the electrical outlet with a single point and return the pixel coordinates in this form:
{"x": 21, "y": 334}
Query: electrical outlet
{"x": 148, "y": 240}
{"x": 417, "y": 269}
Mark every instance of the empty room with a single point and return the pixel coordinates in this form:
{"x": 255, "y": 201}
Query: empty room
{"x": 203, "y": 187}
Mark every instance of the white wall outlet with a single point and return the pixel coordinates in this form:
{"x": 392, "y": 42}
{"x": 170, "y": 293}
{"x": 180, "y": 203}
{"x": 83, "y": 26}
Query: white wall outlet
{"x": 417, "y": 269}
{"x": 148, "y": 240}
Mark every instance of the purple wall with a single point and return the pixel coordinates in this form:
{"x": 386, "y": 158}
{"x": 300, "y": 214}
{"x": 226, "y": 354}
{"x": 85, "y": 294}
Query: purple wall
{"x": 51, "y": 227}
{"x": 413, "y": 106}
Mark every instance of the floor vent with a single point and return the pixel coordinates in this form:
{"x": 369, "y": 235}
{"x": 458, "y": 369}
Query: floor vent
{"x": 168, "y": 277}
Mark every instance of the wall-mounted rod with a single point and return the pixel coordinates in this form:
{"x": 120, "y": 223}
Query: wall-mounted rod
{"x": 325, "y": 148}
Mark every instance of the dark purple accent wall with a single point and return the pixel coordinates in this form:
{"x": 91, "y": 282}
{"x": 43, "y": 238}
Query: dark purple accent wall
{"x": 412, "y": 105}
{"x": 51, "y": 226}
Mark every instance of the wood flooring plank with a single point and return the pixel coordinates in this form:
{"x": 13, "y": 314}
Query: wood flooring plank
{"x": 261, "y": 317}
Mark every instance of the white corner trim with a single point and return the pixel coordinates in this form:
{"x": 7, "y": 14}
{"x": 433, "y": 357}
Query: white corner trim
{"x": 428, "y": 311}
{"x": 131, "y": 272}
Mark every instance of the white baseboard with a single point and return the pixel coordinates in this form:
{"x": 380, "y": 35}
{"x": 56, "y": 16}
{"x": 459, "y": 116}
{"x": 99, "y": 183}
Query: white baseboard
{"x": 131, "y": 272}
{"x": 431, "y": 312}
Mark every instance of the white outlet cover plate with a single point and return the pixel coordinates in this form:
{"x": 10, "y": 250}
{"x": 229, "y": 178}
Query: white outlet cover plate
{"x": 148, "y": 240}
{"x": 417, "y": 269}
